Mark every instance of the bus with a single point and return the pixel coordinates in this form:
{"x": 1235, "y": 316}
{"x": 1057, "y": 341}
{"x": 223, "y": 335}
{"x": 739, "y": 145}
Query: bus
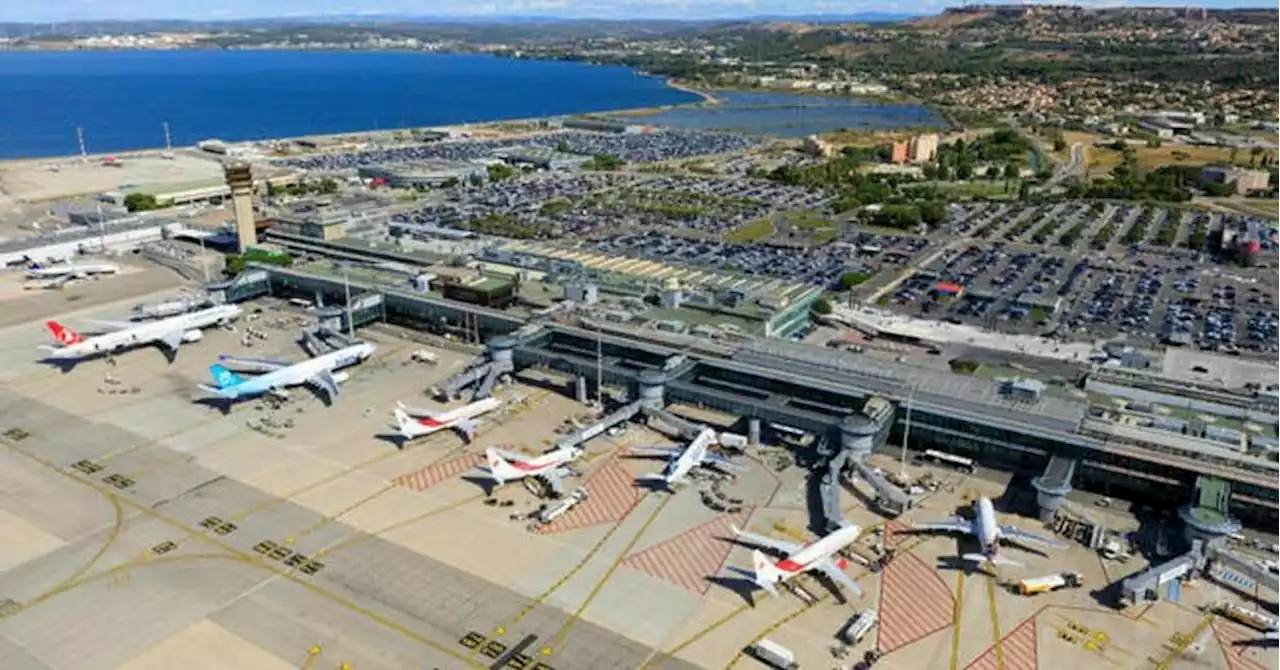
{"x": 942, "y": 458}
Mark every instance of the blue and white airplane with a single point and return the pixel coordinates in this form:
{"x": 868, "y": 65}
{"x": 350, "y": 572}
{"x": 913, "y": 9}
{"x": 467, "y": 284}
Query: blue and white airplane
{"x": 319, "y": 372}
{"x": 682, "y": 462}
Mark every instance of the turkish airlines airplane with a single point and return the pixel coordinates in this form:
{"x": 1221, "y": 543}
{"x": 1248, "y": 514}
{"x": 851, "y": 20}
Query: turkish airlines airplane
{"x": 818, "y": 556}
{"x": 551, "y": 467}
{"x": 682, "y": 461}
{"x": 169, "y": 333}
{"x": 988, "y": 533}
{"x": 319, "y": 372}
{"x": 413, "y": 422}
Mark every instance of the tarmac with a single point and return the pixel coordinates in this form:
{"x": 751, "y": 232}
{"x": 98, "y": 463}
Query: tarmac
{"x": 148, "y": 529}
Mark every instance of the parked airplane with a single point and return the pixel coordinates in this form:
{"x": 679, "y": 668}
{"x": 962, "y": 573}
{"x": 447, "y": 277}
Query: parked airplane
{"x": 819, "y": 556}
{"x": 682, "y": 461}
{"x": 414, "y": 422}
{"x": 37, "y": 271}
{"x": 551, "y": 467}
{"x": 988, "y": 533}
{"x": 318, "y": 372}
{"x": 169, "y": 333}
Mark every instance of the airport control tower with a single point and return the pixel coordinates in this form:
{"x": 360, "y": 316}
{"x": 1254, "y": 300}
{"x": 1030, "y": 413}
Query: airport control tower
{"x": 240, "y": 180}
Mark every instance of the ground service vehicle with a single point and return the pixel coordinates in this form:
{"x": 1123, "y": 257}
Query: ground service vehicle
{"x": 774, "y": 655}
{"x": 1036, "y": 585}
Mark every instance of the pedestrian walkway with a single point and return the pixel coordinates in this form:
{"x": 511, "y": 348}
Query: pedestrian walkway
{"x": 689, "y": 560}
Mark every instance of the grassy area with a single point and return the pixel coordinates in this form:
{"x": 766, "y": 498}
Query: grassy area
{"x": 1263, "y": 208}
{"x": 1100, "y": 160}
{"x": 856, "y": 138}
{"x": 750, "y": 232}
{"x": 969, "y": 189}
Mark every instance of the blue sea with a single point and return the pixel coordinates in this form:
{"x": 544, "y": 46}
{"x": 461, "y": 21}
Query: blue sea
{"x": 122, "y": 98}
{"x": 794, "y": 114}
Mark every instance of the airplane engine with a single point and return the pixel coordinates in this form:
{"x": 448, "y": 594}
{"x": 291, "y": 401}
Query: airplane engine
{"x": 193, "y": 335}
{"x": 341, "y": 377}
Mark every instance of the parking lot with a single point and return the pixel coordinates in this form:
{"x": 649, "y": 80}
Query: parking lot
{"x": 552, "y": 205}
{"x": 821, "y": 266}
{"x": 659, "y": 145}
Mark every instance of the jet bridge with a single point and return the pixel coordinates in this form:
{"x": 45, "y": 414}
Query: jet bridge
{"x": 1225, "y": 559}
{"x": 482, "y": 373}
{"x": 320, "y": 340}
{"x": 625, "y": 413}
{"x": 858, "y": 435}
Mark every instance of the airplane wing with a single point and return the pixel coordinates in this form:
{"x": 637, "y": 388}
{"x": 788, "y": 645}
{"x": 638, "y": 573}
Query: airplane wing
{"x": 839, "y": 578}
{"x": 658, "y": 452}
{"x": 251, "y": 364}
{"x": 111, "y": 325}
{"x": 781, "y": 546}
{"x": 723, "y": 463}
{"x": 953, "y": 525}
{"x": 171, "y": 341}
{"x": 555, "y": 481}
{"x": 325, "y": 382}
{"x": 1014, "y": 534}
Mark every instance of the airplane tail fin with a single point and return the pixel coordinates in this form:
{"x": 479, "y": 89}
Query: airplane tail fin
{"x": 63, "y": 334}
{"x": 498, "y": 466}
{"x": 767, "y": 575}
{"x": 404, "y": 423}
{"x": 224, "y": 378}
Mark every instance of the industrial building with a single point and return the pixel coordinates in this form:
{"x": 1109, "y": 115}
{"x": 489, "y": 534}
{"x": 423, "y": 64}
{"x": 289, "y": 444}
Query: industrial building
{"x": 544, "y": 158}
{"x": 602, "y": 126}
{"x": 424, "y": 174}
{"x": 766, "y": 381}
{"x": 923, "y": 148}
{"x": 1246, "y": 181}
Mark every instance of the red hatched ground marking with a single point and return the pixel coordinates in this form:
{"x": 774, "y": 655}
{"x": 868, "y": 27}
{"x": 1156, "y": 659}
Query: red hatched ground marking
{"x": 914, "y": 603}
{"x": 431, "y": 475}
{"x": 894, "y": 534}
{"x": 1018, "y": 647}
{"x": 689, "y": 559}
{"x": 1239, "y": 656}
{"x": 611, "y": 495}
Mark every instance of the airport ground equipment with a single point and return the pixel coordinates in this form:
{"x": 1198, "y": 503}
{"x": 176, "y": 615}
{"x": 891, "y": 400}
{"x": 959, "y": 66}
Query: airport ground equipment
{"x": 1034, "y": 585}
{"x": 1252, "y": 618}
{"x": 549, "y": 514}
{"x": 858, "y": 626}
{"x": 774, "y": 655}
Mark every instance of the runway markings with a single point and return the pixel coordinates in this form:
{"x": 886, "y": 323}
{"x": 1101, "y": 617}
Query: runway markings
{"x": 612, "y": 494}
{"x": 1016, "y": 651}
{"x": 431, "y": 475}
{"x": 997, "y": 645}
{"x": 1239, "y": 656}
{"x": 914, "y": 603}
{"x": 691, "y": 558}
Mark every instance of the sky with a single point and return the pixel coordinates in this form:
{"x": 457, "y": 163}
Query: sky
{"x": 79, "y": 10}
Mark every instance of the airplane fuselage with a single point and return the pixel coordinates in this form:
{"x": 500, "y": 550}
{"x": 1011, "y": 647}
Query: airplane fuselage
{"x": 692, "y": 456}
{"x": 299, "y": 373}
{"x": 145, "y": 333}
{"x": 985, "y": 528}
{"x": 819, "y": 550}
{"x": 425, "y": 425}
{"x": 503, "y": 470}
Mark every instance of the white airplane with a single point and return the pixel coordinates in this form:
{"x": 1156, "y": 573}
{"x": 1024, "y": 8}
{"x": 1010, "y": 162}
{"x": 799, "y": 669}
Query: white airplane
{"x": 551, "y": 467}
{"x": 414, "y": 422}
{"x": 682, "y": 461}
{"x": 988, "y": 533}
{"x": 819, "y": 556}
{"x": 71, "y": 270}
{"x": 169, "y": 333}
{"x": 319, "y": 373}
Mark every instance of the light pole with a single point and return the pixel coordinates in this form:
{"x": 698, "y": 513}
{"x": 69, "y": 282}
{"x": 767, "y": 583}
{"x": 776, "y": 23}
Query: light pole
{"x": 599, "y": 367}
{"x": 346, "y": 287}
{"x": 906, "y": 429}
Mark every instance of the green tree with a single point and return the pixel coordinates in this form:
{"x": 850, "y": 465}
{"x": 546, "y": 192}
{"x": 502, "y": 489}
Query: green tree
{"x": 1011, "y": 171}
{"x": 564, "y": 147}
{"x": 849, "y": 280}
{"x": 944, "y": 173}
{"x": 1059, "y": 142}
{"x": 964, "y": 171}
{"x": 933, "y": 213}
{"x": 327, "y": 186}
{"x": 449, "y": 183}
{"x": 140, "y": 202}
{"x": 605, "y": 162}
{"x": 822, "y": 306}
{"x": 500, "y": 171}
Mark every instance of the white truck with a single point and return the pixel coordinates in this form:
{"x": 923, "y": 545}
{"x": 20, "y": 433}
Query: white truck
{"x": 858, "y": 627}
{"x": 774, "y": 655}
{"x": 556, "y": 511}
{"x": 1113, "y": 550}
{"x": 424, "y": 356}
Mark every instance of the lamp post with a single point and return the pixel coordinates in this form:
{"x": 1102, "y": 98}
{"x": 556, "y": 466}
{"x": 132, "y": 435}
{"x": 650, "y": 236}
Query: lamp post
{"x": 346, "y": 287}
{"x": 906, "y": 429}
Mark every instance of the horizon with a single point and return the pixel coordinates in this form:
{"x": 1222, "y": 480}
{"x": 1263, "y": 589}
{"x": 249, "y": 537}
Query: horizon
{"x": 73, "y": 11}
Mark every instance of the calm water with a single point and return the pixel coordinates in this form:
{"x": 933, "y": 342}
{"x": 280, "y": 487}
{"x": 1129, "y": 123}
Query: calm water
{"x": 121, "y": 99}
{"x": 794, "y": 115}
